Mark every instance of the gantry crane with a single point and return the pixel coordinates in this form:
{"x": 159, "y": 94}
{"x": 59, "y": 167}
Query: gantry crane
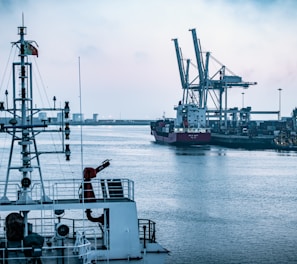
{"x": 215, "y": 86}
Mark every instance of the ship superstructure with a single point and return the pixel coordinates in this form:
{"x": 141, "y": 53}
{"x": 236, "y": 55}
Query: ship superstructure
{"x": 190, "y": 125}
{"x": 56, "y": 220}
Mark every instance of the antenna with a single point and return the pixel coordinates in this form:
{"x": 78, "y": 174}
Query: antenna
{"x": 80, "y": 109}
{"x": 23, "y": 23}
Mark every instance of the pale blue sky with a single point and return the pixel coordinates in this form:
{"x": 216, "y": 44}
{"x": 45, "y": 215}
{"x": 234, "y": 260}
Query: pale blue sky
{"x": 128, "y": 63}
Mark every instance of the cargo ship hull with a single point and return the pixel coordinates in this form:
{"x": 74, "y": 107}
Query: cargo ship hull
{"x": 242, "y": 141}
{"x": 189, "y": 137}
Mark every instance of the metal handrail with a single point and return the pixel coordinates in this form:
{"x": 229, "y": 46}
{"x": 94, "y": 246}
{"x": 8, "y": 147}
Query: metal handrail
{"x": 147, "y": 230}
{"x": 69, "y": 189}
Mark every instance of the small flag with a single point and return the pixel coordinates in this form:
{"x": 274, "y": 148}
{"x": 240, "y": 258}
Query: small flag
{"x": 30, "y": 49}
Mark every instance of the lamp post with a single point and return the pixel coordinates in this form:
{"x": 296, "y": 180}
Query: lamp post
{"x": 54, "y": 99}
{"x": 242, "y": 100}
{"x": 279, "y": 102}
{"x": 6, "y": 94}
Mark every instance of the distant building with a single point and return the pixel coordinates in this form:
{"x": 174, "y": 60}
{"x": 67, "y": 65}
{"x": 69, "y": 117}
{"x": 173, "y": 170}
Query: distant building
{"x": 59, "y": 117}
{"x": 78, "y": 117}
{"x": 42, "y": 116}
{"x": 95, "y": 117}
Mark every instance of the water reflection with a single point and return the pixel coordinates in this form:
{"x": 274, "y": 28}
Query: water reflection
{"x": 191, "y": 150}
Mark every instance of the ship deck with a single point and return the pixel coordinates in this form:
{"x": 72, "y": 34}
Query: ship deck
{"x": 61, "y": 194}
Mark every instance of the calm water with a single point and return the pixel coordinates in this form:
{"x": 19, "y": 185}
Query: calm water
{"x": 211, "y": 204}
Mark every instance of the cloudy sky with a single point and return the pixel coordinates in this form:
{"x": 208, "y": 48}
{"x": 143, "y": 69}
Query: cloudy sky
{"x": 128, "y": 63}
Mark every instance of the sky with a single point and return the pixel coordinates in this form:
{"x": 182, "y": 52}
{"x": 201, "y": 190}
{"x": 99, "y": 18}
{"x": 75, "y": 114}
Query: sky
{"x": 128, "y": 64}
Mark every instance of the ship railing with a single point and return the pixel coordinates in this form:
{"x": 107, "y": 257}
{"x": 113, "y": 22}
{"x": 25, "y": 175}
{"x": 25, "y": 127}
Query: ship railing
{"x": 55, "y": 190}
{"x": 12, "y": 191}
{"x": 82, "y": 237}
{"x": 147, "y": 230}
{"x": 47, "y": 228}
{"x": 47, "y": 254}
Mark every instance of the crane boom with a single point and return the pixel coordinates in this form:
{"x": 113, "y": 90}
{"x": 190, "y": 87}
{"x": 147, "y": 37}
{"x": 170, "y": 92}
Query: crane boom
{"x": 200, "y": 68}
{"x": 180, "y": 64}
{"x": 198, "y": 56}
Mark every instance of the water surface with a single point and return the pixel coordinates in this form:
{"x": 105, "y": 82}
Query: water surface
{"x": 211, "y": 204}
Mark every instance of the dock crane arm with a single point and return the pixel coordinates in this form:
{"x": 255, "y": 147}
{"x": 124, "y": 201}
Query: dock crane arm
{"x": 197, "y": 48}
{"x": 180, "y": 64}
{"x": 201, "y": 73}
